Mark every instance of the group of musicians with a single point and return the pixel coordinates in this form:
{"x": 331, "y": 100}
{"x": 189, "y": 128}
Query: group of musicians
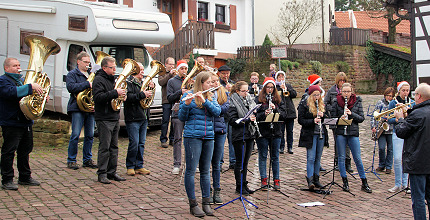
{"x": 201, "y": 117}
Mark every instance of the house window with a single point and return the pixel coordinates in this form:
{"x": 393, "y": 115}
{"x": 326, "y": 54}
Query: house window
{"x": 220, "y": 14}
{"x": 203, "y": 11}
{"x": 74, "y": 49}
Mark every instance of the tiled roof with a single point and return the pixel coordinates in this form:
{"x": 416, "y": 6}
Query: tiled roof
{"x": 364, "y": 21}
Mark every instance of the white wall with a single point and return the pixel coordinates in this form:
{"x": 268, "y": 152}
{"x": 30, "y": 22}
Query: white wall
{"x": 266, "y": 16}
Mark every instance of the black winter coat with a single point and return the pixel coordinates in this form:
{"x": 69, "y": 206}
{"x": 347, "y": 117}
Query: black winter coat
{"x": 103, "y": 93}
{"x": 265, "y": 130}
{"x": 415, "y": 129}
{"x": 174, "y": 92}
{"x": 357, "y": 116}
{"x": 133, "y": 111}
{"x": 330, "y": 98}
{"x": 306, "y": 119}
{"x": 289, "y": 105}
{"x": 237, "y": 129}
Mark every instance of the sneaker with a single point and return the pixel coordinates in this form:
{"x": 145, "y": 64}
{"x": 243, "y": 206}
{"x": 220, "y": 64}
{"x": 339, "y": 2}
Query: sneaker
{"x": 281, "y": 151}
{"x": 175, "y": 170}
{"x": 29, "y": 182}
{"x": 197, "y": 170}
{"x": 290, "y": 151}
{"x": 277, "y": 186}
{"x": 388, "y": 171}
{"x": 90, "y": 163}
{"x": 380, "y": 169}
{"x": 395, "y": 189}
{"x": 9, "y": 186}
{"x": 142, "y": 171}
{"x": 131, "y": 172}
{"x": 72, "y": 165}
{"x": 408, "y": 191}
{"x": 164, "y": 145}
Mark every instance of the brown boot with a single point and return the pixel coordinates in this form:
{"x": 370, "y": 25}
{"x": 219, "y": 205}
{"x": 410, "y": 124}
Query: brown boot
{"x": 195, "y": 209}
{"x": 207, "y": 207}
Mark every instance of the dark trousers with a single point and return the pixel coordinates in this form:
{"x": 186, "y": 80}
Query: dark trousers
{"x": 167, "y": 111}
{"x": 108, "y": 148}
{"x": 19, "y": 139}
{"x": 288, "y": 125}
{"x": 238, "y": 153}
{"x": 178, "y": 127}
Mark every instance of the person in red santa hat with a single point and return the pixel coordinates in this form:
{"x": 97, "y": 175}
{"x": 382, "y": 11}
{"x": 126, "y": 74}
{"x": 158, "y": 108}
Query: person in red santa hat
{"x": 314, "y": 79}
{"x": 271, "y": 133}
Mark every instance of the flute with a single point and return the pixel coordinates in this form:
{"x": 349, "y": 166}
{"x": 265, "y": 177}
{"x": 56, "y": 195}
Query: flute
{"x": 319, "y": 123}
{"x": 208, "y": 90}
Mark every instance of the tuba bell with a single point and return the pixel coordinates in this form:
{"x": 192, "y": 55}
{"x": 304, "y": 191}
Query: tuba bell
{"x": 41, "y": 48}
{"x": 157, "y": 68}
{"x": 129, "y": 66}
{"x": 84, "y": 99}
{"x": 187, "y": 84}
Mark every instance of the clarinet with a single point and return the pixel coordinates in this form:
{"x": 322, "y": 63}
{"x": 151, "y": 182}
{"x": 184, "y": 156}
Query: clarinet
{"x": 269, "y": 97}
{"x": 254, "y": 122}
{"x": 344, "y": 113}
{"x": 319, "y": 123}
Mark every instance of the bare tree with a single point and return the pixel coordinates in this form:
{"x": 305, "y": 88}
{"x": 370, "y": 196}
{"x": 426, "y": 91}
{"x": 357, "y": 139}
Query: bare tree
{"x": 295, "y": 17}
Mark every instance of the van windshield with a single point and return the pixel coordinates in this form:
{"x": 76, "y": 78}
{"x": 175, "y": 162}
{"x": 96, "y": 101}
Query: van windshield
{"x": 121, "y": 52}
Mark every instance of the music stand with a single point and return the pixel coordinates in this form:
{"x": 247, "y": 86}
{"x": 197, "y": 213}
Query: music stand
{"x": 335, "y": 121}
{"x": 405, "y": 189}
{"x": 372, "y": 167}
{"x": 271, "y": 118}
{"x": 241, "y": 198}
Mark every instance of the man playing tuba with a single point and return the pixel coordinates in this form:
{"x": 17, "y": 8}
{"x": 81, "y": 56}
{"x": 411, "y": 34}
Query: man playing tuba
{"x": 107, "y": 120}
{"x": 76, "y": 82}
{"x": 17, "y": 130}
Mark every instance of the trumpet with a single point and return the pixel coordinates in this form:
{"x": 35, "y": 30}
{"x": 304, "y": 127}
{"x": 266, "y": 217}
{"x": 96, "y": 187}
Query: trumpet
{"x": 256, "y": 90}
{"x": 208, "y": 90}
{"x": 390, "y": 113}
{"x": 284, "y": 90}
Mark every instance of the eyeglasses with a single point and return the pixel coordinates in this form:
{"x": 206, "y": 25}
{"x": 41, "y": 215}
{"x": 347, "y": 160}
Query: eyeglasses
{"x": 243, "y": 90}
{"x": 111, "y": 67}
{"x": 85, "y": 61}
{"x": 270, "y": 87}
{"x": 346, "y": 91}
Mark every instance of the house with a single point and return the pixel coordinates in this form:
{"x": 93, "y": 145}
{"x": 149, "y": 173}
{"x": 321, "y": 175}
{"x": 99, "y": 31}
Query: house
{"x": 213, "y": 28}
{"x": 378, "y": 26}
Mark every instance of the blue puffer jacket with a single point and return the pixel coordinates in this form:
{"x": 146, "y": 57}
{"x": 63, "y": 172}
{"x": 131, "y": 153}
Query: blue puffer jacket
{"x": 76, "y": 82}
{"x": 219, "y": 122}
{"x": 198, "y": 121}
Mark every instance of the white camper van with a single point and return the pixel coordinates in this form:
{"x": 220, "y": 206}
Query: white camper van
{"x": 78, "y": 25}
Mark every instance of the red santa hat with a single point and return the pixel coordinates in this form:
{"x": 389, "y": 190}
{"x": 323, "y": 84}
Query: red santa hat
{"x": 181, "y": 63}
{"x": 314, "y": 79}
{"x": 269, "y": 80}
{"x": 400, "y": 84}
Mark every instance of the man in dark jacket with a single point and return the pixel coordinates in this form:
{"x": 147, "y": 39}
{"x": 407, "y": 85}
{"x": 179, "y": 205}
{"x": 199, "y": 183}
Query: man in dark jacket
{"x": 174, "y": 94}
{"x": 415, "y": 129}
{"x": 76, "y": 82}
{"x": 136, "y": 121}
{"x": 16, "y": 128}
{"x": 107, "y": 120}
{"x": 167, "y": 107}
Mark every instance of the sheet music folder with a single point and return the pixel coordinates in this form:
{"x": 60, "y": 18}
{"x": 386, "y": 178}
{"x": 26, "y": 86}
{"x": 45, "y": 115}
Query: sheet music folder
{"x": 337, "y": 121}
{"x": 272, "y": 117}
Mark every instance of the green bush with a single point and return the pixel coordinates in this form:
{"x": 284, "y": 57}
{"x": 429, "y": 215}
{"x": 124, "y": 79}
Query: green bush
{"x": 191, "y": 62}
{"x": 237, "y": 67}
{"x": 342, "y": 66}
{"x": 316, "y": 66}
{"x": 296, "y": 65}
{"x": 267, "y": 41}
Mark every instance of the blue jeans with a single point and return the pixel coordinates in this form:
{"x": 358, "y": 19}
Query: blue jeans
{"x": 385, "y": 161}
{"x": 354, "y": 144}
{"x": 80, "y": 119}
{"x": 263, "y": 145}
{"x": 219, "y": 142}
{"x": 136, "y": 143}
{"x": 198, "y": 152}
{"x": 401, "y": 179}
{"x": 313, "y": 156}
{"x": 288, "y": 126}
{"x": 167, "y": 111}
{"x": 231, "y": 154}
{"x": 420, "y": 191}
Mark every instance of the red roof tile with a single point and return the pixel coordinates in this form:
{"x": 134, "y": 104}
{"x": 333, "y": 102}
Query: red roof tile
{"x": 364, "y": 21}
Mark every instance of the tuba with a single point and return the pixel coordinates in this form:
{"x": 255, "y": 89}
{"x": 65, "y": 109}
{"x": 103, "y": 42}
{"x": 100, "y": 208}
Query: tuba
{"x": 186, "y": 84}
{"x": 84, "y": 99}
{"x": 41, "y": 47}
{"x": 129, "y": 66}
{"x": 157, "y": 68}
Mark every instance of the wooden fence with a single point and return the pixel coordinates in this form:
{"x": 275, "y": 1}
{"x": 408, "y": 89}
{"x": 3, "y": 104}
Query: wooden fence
{"x": 193, "y": 35}
{"x": 349, "y": 36}
{"x": 292, "y": 53}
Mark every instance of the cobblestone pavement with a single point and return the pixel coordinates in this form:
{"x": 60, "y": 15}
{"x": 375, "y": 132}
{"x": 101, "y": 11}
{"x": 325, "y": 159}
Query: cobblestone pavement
{"x": 76, "y": 194}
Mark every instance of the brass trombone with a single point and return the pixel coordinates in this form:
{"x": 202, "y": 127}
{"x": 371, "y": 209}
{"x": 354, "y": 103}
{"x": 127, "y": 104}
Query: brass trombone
{"x": 390, "y": 113}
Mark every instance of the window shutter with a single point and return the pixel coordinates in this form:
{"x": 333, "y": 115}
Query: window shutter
{"x": 192, "y": 10}
{"x": 233, "y": 22}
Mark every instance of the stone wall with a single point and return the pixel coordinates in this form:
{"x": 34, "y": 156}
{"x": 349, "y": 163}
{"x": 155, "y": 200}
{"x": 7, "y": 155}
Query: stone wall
{"x": 49, "y": 133}
{"x": 381, "y": 37}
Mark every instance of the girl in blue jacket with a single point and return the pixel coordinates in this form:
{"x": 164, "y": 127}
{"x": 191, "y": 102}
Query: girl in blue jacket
{"x": 198, "y": 113}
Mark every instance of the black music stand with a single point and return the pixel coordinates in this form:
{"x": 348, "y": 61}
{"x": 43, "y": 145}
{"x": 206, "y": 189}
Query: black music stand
{"x": 405, "y": 190}
{"x": 372, "y": 167}
{"x": 335, "y": 121}
{"x": 241, "y": 198}
{"x": 271, "y": 119}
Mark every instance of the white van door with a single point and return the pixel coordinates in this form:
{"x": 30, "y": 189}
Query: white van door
{"x": 3, "y": 39}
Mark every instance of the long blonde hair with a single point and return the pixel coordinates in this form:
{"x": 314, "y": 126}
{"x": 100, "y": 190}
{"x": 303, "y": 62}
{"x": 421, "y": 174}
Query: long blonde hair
{"x": 312, "y": 105}
{"x": 198, "y": 86}
{"x": 221, "y": 93}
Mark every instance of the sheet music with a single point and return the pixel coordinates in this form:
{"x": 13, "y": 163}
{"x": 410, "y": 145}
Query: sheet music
{"x": 272, "y": 117}
{"x": 251, "y": 111}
